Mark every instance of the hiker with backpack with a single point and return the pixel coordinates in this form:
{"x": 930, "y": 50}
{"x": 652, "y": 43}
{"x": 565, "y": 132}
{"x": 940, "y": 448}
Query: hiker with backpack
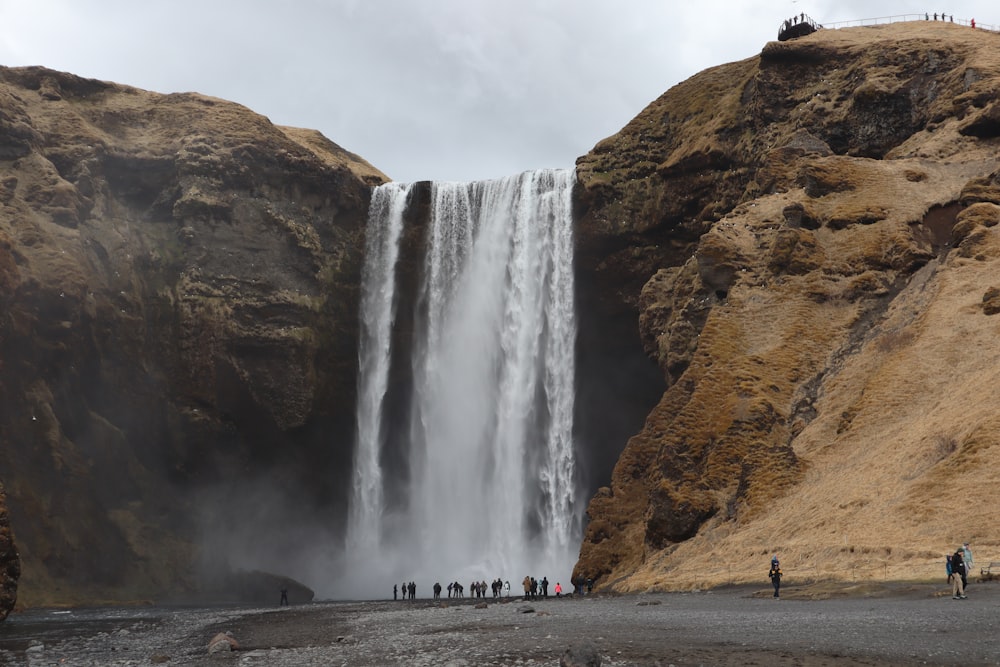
{"x": 957, "y": 575}
{"x": 775, "y": 575}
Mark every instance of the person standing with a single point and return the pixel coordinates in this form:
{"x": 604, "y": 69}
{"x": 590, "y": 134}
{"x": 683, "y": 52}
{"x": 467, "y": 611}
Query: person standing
{"x": 395, "y": 591}
{"x": 967, "y": 559}
{"x": 775, "y": 576}
{"x": 284, "y": 596}
{"x": 558, "y": 590}
{"x": 957, "y": 576}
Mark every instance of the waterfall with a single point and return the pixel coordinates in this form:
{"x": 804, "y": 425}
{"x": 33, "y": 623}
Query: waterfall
{"x": 490, "y": 485}
{"x": 378, "y": 312}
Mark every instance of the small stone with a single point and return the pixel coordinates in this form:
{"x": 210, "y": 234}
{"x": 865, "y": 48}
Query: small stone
{"x": 581, "y": 655}
{"x": 224, "y": 641}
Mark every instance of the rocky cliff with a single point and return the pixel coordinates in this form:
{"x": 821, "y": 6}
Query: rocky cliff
{"x": 178, "y": 303}
{"x": 10, "y": 562}
{"x": 787, "y": 288}
{"x": 808, "y": 241}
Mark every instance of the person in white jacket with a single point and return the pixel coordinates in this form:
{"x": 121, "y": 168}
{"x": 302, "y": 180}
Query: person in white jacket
{"x": 967, "y": 559}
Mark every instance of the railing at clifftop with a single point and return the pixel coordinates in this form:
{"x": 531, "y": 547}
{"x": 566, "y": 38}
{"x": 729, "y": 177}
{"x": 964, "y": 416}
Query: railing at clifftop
{"x": 881, "y": 20}
{"x": 799, "y": 25}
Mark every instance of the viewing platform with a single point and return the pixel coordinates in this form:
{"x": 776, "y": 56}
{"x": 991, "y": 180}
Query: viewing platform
{"x": 797, "y": 26}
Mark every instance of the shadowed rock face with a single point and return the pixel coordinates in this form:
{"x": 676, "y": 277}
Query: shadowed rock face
{"x": 764, "y": 222}
{"x": 178, "y": 296}
{"x": 10, "y": 563}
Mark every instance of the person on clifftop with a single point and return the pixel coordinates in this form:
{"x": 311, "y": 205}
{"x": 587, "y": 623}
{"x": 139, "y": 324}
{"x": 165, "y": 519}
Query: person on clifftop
{"x": 775, "y": 576}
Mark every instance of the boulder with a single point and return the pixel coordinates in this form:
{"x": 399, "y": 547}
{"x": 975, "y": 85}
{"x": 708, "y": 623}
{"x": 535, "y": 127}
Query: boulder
{"x": 581, "y": 655}
{"x": 223, "y": 642}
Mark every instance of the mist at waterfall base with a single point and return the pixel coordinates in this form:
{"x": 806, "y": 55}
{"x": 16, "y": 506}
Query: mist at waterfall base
{"x": 464, "y": 464}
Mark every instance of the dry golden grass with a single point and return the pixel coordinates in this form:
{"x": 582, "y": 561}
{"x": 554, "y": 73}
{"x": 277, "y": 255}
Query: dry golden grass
{"x": 904, "y": 440}
{"x": 842, "y": 414}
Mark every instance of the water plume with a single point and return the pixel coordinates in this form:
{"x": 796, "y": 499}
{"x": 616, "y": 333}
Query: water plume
{"x": 487, "y": 484}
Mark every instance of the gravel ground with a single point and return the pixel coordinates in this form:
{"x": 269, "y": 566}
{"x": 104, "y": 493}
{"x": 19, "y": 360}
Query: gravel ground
{"x": 808, "y": 627}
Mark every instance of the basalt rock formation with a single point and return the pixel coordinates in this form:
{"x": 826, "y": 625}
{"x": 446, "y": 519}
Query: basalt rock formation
{"x": 178, "y": 305}
{"x": 808, "y": 239}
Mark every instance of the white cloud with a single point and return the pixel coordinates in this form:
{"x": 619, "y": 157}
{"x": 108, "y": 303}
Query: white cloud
{"x": 442, "y": 89}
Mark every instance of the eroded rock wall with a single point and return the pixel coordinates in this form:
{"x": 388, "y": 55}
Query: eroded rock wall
{"x": 10, "y": 562}
{"x": 178, "y": 303}
{"x": 768, "y": 222}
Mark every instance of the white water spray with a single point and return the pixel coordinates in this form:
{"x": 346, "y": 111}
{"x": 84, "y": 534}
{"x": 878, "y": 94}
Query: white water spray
{"x": 491, "y": 490}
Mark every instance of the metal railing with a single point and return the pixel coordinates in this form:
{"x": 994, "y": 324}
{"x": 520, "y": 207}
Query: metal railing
{"x": 881, "y": 20}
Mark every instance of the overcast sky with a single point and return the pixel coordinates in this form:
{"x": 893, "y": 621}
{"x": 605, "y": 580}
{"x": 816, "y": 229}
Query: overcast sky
{"x": 452, "y": 90}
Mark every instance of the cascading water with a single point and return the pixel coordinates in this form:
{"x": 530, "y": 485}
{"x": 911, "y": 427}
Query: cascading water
{"x": 378, "y": 311}
{"x": 490, "y": 488}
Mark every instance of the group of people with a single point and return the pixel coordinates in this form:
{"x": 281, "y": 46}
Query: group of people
{"x": 409, "y": 591}
{"x": 478, "y": 588}
{"x": 795, "y": 20}
{"x": 533, "y": 589}
{"x": 958, "y": 565}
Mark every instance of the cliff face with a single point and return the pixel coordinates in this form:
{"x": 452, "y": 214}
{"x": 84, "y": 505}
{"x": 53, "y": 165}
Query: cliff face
{"x": 808, "y": 242}
{"x": 178, "y": 303}
{"x": 10, "y": 562}
{"x": 786, "y": 288}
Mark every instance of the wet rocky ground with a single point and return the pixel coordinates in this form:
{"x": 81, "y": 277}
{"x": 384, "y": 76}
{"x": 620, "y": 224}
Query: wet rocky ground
{"x": 839, "y": 626}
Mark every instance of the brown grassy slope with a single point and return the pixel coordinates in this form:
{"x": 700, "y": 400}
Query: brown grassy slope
{"x": 835, "y": 406}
